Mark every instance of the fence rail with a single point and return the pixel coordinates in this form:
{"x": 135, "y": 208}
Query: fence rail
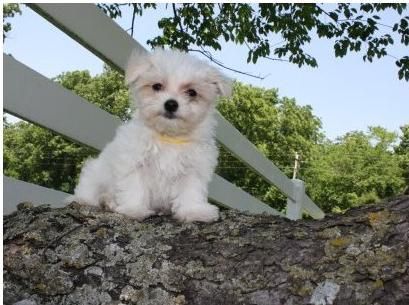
{"x": 46, "y": 103}
{"x": 16, "y": 191}
{"x": 50, "y": 105}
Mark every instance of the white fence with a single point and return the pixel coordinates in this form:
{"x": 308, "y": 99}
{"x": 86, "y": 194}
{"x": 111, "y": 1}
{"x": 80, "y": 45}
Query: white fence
{"x": 47, "y": 104}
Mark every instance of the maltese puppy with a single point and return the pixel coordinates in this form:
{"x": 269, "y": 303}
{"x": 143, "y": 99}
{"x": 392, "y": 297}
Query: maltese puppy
{"x": 162, "y": 160}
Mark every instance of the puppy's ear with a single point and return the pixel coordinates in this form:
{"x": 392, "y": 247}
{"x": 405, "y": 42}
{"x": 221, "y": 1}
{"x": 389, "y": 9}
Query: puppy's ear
{"x": 223, "y": 83}
{"x": 138, "y": 63}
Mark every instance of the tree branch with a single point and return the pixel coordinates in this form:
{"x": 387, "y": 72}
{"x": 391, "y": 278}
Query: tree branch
{"x": 351, "y": 19}
{"x": 352, "y": 258}
{"x": 208, "y": 55}
{"x": 177, "y": 17}
{"x": 133, "y": 19}
{"x": 268, "y": 57}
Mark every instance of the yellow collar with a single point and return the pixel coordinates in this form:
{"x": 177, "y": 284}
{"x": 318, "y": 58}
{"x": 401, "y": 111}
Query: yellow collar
{"x": 172, "y": 140}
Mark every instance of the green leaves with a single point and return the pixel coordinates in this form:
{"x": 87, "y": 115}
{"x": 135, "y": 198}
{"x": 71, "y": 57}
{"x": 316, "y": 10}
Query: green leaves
{"x": 277, "y": 126}
{"x": 9, "y": 11}
{"x": 114, "y": 10}
{"x": 403, "y": 65}
{"x": 106, "y": 90}
{"x": 355, "y": 28}
{"x": 403, "y": 152}
{"x": 36, "y": 155}
{"x": 356, "y": 169}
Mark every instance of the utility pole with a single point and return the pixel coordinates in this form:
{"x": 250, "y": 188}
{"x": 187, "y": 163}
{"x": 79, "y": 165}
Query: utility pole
{"x": 296, "y": 165}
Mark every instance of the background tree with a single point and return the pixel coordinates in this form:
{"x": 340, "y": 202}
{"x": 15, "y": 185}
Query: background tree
{"x": 280, "y": 31}
{"x": 36, "y": 155}
{"x": 403, "y": 151}
{"x": 278, "y": 127}
{"x": 9, "y": 10}
{"x": 107, "y": 90}
{"x": 356, "y": 169}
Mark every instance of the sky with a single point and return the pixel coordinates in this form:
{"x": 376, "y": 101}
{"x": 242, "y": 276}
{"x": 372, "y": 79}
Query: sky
{"x": 346, "y": 94}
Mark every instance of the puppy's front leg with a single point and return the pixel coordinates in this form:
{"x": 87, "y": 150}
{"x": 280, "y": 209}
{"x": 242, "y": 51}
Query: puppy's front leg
{"x": 132, "y": 197}
{"x": 191, "y": 202}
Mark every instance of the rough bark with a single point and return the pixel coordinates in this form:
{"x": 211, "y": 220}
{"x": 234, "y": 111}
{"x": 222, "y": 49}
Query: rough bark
{"x": 77, "y": 255}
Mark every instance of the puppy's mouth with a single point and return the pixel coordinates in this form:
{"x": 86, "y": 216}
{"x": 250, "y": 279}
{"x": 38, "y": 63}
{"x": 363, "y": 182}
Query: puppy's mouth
{"x": 170, "y": 115}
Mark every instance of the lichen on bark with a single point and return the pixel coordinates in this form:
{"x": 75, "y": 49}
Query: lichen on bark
{"x": 80, "y": 255}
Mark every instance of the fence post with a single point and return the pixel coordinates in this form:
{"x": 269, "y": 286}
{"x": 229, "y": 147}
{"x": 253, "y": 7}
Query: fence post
{"x": 294, "y": 208}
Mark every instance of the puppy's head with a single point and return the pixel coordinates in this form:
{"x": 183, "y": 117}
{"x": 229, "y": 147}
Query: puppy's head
{"x": 174, "y": 91}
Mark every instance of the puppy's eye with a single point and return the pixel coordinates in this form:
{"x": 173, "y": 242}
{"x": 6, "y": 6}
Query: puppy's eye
{"x": 191, "y": 92}
{"x": 157, "y": 87}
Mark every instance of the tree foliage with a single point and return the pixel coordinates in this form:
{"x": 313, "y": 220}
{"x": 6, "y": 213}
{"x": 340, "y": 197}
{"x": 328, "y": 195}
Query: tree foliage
{"x": 356, "y": 169}
{"x": 107, "y": 91}
{"x": 278, "y": 127}
{"x": 281, "y": 30}
{"x": 403, "y": 151}
{"x": 9, "y": 10}
{"x": 38, "y": 156}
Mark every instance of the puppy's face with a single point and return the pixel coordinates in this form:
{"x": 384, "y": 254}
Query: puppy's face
{"x": 174, "y": 92}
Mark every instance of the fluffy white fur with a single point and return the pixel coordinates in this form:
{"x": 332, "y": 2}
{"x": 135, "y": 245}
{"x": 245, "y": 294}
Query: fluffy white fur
{"x": 140, "y": 173}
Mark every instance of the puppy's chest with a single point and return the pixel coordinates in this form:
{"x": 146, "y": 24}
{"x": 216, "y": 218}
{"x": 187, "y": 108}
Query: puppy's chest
{"x": 168, "y": 162}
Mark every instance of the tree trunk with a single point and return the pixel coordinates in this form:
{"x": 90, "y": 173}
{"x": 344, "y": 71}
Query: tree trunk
{"x": 78, "y": 255}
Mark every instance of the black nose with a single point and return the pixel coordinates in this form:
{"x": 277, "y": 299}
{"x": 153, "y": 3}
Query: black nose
{"x": 171, "y": 106}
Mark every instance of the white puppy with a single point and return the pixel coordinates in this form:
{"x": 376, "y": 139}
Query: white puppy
{"x": 162, "y": 160}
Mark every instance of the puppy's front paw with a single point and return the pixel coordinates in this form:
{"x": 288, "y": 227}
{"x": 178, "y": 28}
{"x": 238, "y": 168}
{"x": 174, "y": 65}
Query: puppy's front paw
{"x": 203, "y": 212}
